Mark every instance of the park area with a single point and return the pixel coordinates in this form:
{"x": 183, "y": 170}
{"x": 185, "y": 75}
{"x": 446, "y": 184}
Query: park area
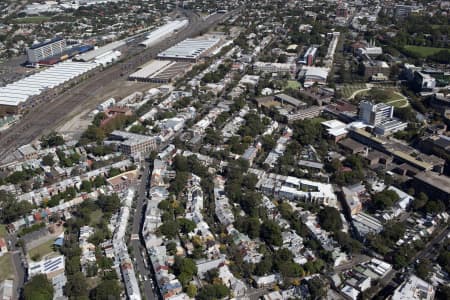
{"x": 422, "y": 51}
{"x": 390, "y": 95}
{"x": 348, "y": 91}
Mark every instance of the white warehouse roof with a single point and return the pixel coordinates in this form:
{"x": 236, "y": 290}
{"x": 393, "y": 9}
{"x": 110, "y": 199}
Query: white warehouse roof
{"x": 20, "y": 91}
{"x": 88, "y": 56}
{"x": 189, "y": 48}
{"x": 163, "y": 31}
{"x": 150, "y": 68}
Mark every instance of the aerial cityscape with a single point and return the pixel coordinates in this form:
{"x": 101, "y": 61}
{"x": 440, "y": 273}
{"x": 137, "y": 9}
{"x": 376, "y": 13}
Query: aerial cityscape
{"x": 251, "y": 150}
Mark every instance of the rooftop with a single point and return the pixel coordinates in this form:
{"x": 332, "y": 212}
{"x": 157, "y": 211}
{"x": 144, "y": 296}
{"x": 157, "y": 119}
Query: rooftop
{"x": 414, "y": 288}
{"x": 441, "y": 182}
{"x": 189, "y": 48}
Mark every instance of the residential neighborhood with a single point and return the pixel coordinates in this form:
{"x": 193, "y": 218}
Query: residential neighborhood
{"x": 208, "y": 150}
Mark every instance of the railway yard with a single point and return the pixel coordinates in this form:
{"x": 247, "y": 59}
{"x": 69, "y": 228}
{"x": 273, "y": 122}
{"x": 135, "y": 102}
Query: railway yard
{"x": 50, "y": 114}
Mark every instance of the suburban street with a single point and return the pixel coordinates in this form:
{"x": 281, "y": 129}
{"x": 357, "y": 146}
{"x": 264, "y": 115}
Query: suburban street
{"x": 136, "y": 241}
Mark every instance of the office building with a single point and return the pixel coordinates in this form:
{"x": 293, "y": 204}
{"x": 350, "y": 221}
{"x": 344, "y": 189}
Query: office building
{"x": 389, "y": 127}
{"x": 375, "y": 114}
{"x": 46, "y": 49}
{"x": 133, "y": 144}
{"x": 424, "y": 82}
{"x": 268, "y": 67}
{"x": 403, "y": 11}
{"x": 309, "y": 56}
{"x": 314, "y": 75}
{"x": 372, "y": 68}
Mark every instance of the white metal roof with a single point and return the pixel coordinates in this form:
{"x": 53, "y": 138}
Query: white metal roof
{"x": 20, "y": 91}
{"x": 150, "y": 68}
{"x": 190, "y": 48}
{"x": 163, "y": 32}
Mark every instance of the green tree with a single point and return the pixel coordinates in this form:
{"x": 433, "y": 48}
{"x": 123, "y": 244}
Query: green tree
{"x": 107, "y": 290}
{"x": 213, "y": 292}
{"x": 76, "y": 286}
{"x": 307, "y": 131}
{"x": 330, "y": 219}
{"x": 385, "y": 199}
{"x": 249, "y": 226}
{"x": 271, "y": 233}
{"x": 48, "y": 160}
{"x": 11, "y": 209}
{"x": 423, "y": 268}
{"x": 86, "y": 186}
{"x": 186, "y": 225}
{"x": 169, "y": 229}
{"x": 109, "y": 204}
{"x": 191, "y": 290}
{"x": 52, "y": 140}
{"x": 316, "y": 288}
{"x": 38, "y": 288}
{"x": 185, "y": 269}
{"x": 264, "y": 266}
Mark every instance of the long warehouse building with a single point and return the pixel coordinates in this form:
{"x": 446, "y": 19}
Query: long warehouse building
{"x": 16, "y": 96}
{"x": 190, "y": 49}
{"x": 163, "y": 32}
{"x": 160, "y": 71}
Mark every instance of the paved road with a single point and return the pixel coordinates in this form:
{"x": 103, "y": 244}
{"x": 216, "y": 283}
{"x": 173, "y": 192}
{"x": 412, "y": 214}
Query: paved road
{"x": 17, "y": 259}
{"x": 137, "y": 244}
{"x": 44, "y": 117}
{"x": 356, "y": 260}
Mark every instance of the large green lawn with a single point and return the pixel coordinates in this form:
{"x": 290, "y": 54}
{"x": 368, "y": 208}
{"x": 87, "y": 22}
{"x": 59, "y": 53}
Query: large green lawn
{"x": 31, "y": 20}
{"x": 42, "y": 250}
{"x": 96, "y": 217}
{"x": 3, "y": 232}
{"x": 293, "y": 84}
{"x": 348, "y": 90}
{"x": 6, "y": 267}
{"x": 423, "y": 51}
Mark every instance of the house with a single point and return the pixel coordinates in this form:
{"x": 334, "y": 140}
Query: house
{"x": 3, "y": 247}
{"x": 352, "y": 200}
{"x": 7, "y": 290}
{"x": 265, "y": 281}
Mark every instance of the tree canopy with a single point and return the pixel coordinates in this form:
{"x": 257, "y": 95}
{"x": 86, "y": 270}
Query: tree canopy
{"x": 38, "y": 288}
{"x": 11, "y": 209}
{"x": 330, "y": 219}
{"x": 271, "y": 233}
